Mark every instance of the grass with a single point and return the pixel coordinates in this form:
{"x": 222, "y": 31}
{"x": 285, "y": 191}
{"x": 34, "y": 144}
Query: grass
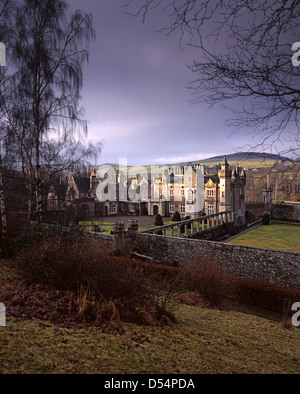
{"x": 202, "y": 341}
{"x": 272, "y": 236}
{"x": 105, "y": 226}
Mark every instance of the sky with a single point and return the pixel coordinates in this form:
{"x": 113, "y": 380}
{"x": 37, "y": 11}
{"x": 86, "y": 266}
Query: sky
{"x": 136, "y": 95}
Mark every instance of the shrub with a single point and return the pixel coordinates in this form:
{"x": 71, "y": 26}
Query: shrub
{"x": 34, "y": 234}
{"x": 107, "y": 287}
{"x": 189, "y": 225}
{"x": 266, "y": 219}
{"x": 209, "y": 278}
{"x": 158, "y": 220}
{"x": 263, "y": 295}
{"x": 176, "y": 217}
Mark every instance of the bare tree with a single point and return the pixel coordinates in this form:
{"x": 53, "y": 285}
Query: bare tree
{"x": 245, "y": 58}
{"x": 49, "y": 53}
{"x": 6, "y": 38}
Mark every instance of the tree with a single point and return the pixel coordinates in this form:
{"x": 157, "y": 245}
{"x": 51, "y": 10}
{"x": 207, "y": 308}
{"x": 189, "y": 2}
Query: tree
{"x": 245, "y": 57}
{"x": 6, "y": 38}
{"x": 176, "y": 217}
{"x": 49, "y": 53}
{"x": 158, "y": 220}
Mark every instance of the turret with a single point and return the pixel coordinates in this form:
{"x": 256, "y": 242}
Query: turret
{"x": 225, "y": 186}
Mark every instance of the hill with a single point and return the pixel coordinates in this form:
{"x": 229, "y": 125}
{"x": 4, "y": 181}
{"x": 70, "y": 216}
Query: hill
{"x": 246, "y": 159}
{"x": 242, "y": 159}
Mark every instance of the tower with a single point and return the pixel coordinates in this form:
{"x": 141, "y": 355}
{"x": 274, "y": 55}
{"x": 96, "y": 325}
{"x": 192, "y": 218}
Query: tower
{"x": 225, "y": 186}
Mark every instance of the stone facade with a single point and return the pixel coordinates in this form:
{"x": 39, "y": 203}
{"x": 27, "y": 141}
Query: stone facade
{"x": 170, "y": 189}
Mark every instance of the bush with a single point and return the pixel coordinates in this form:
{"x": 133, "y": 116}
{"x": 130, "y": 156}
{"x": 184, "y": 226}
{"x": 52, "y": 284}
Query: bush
{"x": 176, "y": 217}
{"x": 189, "y": 225}
{"x": 263, "y": 295}
{"x": 266, "y": 219}
{"x": 106, "y": 287}
{"x": 37, "y": 233}
{"x": 209, "y": 278}
{"x": 158, "y": 220}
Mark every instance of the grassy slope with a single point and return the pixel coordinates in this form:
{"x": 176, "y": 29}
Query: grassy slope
{"x": 273, "y": 236}
{"x": 202, "y": 341}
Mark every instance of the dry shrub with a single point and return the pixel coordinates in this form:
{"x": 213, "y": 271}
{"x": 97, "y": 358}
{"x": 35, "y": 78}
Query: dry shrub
{"x": 209, "y": 278}
{"x": 108, "y": 288}
{"x": 192, "y": 298}
{"x": 264, "y": 295}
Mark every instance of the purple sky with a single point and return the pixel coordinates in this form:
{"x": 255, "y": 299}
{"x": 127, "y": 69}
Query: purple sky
{"x": 135, "y": 93}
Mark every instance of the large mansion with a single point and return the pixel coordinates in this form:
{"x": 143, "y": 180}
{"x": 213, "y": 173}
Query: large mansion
{"x": 186, "y": 189}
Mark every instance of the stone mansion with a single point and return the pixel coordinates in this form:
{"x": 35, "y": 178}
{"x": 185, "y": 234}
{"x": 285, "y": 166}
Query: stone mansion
{"x": 170, "y": 189}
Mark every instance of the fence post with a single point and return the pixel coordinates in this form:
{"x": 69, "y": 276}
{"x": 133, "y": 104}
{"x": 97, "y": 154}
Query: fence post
{"x": 118, "y": 232}
{"x": 133, "y": 227}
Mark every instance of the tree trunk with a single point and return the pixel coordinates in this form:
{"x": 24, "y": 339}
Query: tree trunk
{"x": 3, "y": 218}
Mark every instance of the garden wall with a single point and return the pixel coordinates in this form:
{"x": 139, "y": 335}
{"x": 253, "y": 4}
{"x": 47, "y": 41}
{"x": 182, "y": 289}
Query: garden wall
{"x": 278, "y": 267}
{"x": 286, "y": 211}
{"x": 272, "y": 266}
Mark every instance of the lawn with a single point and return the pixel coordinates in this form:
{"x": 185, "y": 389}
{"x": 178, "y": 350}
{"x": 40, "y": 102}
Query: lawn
{"x": 105, "y": 226}
{"x": 203, "y": 341}
{"x": 272, "y": 236}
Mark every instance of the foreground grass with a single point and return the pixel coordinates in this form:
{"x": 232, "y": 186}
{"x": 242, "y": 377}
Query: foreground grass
{"x": 203, "y": 341}
{"x": 272, "y": 236}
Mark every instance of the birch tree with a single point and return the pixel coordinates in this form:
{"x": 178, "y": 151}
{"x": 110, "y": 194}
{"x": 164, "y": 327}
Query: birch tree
{"x": 50, "y": 51}
{"x": 6, "y": 38}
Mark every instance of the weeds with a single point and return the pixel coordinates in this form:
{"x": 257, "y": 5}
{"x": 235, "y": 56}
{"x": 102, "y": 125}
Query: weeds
{"x": 107, "y": 287}
{"x": 209, "y": 278}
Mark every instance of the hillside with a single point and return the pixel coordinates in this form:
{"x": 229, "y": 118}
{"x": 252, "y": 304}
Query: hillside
{"x": 246, "y": 159}
{"x": 243, "y": 159}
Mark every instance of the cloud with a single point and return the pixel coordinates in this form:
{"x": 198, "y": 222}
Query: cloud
{"x": 184, "y": 158}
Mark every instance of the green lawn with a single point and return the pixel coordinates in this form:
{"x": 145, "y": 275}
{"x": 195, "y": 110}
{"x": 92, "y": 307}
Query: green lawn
{"x": 107, "y": 227}
{"x": 272, "y": 236}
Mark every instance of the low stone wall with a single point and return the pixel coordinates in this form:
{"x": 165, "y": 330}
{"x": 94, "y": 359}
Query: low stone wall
{"x": 286, "y": 211}
{"x": 272, "y": 266}
{"x": 255, "y": 208}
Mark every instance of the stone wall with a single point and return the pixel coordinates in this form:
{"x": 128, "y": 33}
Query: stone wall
{"x": 286, "y": 211}
{"x": 255, "y": 208}
{"x": 273, "y": 266}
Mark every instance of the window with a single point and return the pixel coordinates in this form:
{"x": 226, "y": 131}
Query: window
{"x": 182, "y": 208}
{"x": 171, "y": 207}
{"x": 223, "y": 194}
{"x": 190, "y": 197}
{"x": 210, "y": 210}
{"x": 171, "y": 192}
{"x": 210, "y": 192}
{"x": 182, "y": 192}
{"x": 113, "y": 208}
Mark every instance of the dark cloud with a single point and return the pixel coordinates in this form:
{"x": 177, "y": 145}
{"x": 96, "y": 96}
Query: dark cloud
{"x": 135, "y": 94}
